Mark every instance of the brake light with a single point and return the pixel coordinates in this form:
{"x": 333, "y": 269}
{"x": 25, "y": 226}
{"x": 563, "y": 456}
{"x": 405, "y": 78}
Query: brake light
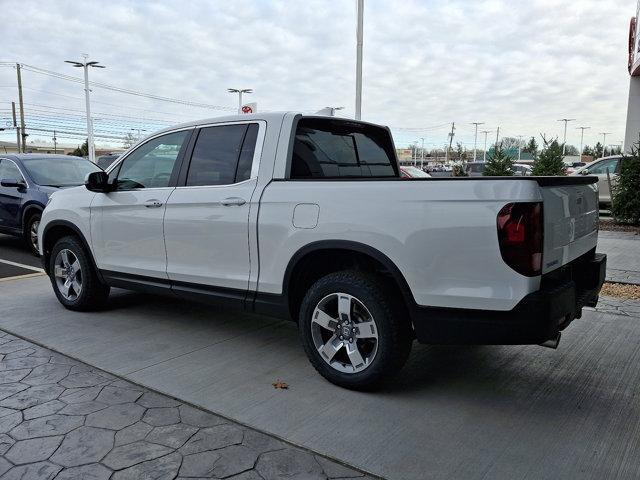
{"x": 520, "y": 236}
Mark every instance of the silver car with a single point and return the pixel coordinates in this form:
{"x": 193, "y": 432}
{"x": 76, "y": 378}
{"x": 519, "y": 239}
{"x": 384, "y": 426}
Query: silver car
{"x": 599, "y": 169}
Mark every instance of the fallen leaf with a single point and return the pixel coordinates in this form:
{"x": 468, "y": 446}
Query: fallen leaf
{"x": 280, "y": 385}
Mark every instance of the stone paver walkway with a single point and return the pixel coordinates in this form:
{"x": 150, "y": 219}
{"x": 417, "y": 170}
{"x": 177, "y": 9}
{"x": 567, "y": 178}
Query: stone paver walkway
{"x": 620, "y": 306}
{"x": 62, "y": 419}
{"x": 623, "y": 256}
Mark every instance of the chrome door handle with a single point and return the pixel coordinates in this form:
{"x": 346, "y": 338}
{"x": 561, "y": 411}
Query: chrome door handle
{"x": 233, "y": 201}
{"x": 153, "y": 204}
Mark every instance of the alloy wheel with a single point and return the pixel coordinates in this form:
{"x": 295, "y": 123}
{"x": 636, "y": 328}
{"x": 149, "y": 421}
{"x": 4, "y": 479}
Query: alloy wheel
{"x": 344, "y": 333}
{"x": 68, "y": 274}
{"x": 33, "y": 234}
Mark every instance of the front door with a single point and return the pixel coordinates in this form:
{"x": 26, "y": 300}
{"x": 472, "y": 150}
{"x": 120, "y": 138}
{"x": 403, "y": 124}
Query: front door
{"x": 207, "y": 219}
{"x": 10, "y": 197}
{"x": 600, "y": 169}
{"x": 126, "y": 224}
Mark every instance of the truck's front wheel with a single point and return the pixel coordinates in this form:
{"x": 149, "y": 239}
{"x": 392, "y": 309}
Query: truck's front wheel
{"x": 354, "y": 333}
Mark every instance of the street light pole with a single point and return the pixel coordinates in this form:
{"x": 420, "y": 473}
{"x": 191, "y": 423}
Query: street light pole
{"x": 85, "y": 65}
{"x": 486, "y": 132}
{"x": 55, "y": 142}
{"x": 564, "y": 139}
{"x": 582, "y": 129}
{"x": 475, "y": 138}
{"x": 239, "y": 91}
{"x": 359, "y": 41}
{"x": 422, "y": 154}
{"x": 520, "y": 147}
{"x": 604, "y": 142}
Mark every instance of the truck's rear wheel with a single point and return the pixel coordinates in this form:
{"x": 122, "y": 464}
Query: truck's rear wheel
{"x": 353, "y": 332}
{"x": 74, "y": 280}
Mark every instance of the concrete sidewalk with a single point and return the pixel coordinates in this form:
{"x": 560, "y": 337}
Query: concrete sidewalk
{"x": 623, "y": 256}
{"x": 454, "y": 412}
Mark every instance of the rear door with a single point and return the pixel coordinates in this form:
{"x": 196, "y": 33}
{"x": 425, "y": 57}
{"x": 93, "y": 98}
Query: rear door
{"x": 126, "y": 224}
{"x": 206, "y": 223}
{"x": 600, "y": 170}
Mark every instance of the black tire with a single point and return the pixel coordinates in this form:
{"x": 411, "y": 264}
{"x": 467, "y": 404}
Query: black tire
{"x": 94, "y": 293}
{"x": 395, "y": 335}
{"x": 32, "y": 244}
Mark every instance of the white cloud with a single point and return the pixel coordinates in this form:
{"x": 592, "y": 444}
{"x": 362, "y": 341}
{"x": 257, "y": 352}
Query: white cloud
{"x": 518, "y": 64}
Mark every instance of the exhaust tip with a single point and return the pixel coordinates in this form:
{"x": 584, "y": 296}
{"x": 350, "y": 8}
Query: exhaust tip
{"x": 552, "y": 342}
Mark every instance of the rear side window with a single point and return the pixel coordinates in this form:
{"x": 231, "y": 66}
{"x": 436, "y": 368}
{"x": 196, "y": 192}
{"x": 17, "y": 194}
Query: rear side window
{"x": 223, "y": 155}
{"x": 335, "y": 149}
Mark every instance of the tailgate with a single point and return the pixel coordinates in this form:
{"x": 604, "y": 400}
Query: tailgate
{"x": 570, "y": 222}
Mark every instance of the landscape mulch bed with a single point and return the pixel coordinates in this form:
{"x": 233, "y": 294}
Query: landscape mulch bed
{"x": 621, "y": 290}
{"x": 610, "y": 225}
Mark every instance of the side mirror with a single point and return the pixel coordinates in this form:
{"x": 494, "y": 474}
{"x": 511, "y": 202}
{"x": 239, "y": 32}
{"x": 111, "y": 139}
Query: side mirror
{"x": 98, "y": 182}
{"x": 585, "y": 171}
{"x": 12, "y": 183}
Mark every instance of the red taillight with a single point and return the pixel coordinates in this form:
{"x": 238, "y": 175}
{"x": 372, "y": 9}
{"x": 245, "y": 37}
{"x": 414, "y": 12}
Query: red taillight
{"x": 520, "y": 235}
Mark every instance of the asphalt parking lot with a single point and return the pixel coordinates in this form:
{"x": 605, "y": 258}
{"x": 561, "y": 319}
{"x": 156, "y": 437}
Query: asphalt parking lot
{"x": 454, "y": 412}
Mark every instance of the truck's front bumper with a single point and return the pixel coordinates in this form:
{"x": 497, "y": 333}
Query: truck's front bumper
{"x": 538, "y": 317}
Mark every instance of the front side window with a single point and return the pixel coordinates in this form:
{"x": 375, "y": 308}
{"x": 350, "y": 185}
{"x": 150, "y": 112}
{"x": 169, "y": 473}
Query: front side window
{"x": 9, "y": 171}
{"x": 222, "y": 155}
{"x": 601, "y": 168}
{"x": 333, "y": 149}
{"x": 152, "y": 164}
{"x": 59, "y": 172}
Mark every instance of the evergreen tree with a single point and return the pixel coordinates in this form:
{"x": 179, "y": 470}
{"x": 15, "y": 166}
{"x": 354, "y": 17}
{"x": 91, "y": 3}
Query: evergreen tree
{"x": 549, "y": 162}
{"x": 531, "y": 147}
{"x": 82, "y": 151}
{"x": 626, "y": 194}
{"x": 597, "y": 150}
{"x": 499, "y": 164}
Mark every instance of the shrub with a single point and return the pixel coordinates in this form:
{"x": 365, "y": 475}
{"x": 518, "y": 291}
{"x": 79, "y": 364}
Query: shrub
{"x": 499, "y": 164}
{"x": 626, "y": 193}
{"x": 459, "y": 170}
{"x": 549, "y": 162}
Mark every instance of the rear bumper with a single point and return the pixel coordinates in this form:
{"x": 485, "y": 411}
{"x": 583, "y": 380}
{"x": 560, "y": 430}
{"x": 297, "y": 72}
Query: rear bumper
{"x": 538, "y": 317}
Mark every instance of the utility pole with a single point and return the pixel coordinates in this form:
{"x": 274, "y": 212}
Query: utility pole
{"x": 359, "y": 41}
{"x": 497, "y": 137}
{"x": 422, "y": 154}
{"x": 604, "y": 142}
{"x": 486, "y": 132}
{"x": 23, "y": 133}
{"x": 15, "y": 125}
{"x": 451, "y": 135}
{"x": 582, "y": 129}
{"x": 564, "y": 138}
{"x": 475, "y": 138}
{"x": 85, "y": 64}
{"x": 239, "y": 91}
{"x": 55, "y": 142}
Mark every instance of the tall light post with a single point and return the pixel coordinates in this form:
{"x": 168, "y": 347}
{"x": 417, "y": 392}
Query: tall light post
{"x": 333, "y": 110}
{"x": 55, "y": 142}
{"x": 422, "y": 154}
{"x": 359, "y": 41}
{"x": 475, "y": 138}
{"x": 486, "y": 132}
{"x": 85, "y": 64}
{"x": 582, "y": 129}
{"x": 239, "y": 91}
{"x": 520, "y": 147}
{"x": 564, "y": 138}
{"x": 604, "y": 141}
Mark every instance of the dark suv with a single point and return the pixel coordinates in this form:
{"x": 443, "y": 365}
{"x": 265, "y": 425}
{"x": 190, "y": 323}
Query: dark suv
{"x": 27, "y": 181}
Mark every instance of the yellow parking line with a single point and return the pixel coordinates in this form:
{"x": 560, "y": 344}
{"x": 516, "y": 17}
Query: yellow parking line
{"x": 19, "y": 277}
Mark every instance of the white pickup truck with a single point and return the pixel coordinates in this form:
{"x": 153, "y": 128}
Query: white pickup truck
{"x": 307, "y": 218}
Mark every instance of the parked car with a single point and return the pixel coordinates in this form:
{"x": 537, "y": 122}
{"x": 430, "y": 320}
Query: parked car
{"x": 599, "y": 169}
{"x": 308, "y": 218}
{"x": 522, "y": 170}
{"x": 573, "y": 166}
{"x": 408, "y": 171}
{"x": 104, "y": 161}
{"x": 475, "y": 169}
{"x": 27, "y": 181}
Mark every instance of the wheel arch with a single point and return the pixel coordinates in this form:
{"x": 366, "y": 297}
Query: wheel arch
{"x": 28, "y": 210}
{"x": 57, "y": 229}
{"x": 327, "y": 256}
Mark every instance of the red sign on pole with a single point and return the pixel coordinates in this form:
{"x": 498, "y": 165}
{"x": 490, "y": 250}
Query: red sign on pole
{"x": 247, "y": 109}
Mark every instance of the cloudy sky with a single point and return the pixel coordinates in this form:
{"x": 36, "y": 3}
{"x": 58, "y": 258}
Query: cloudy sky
{"x": 517, "y": 64}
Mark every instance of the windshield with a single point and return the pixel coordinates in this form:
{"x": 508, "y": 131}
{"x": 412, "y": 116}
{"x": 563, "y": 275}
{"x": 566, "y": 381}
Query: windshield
{"x": 59, "y": 172}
